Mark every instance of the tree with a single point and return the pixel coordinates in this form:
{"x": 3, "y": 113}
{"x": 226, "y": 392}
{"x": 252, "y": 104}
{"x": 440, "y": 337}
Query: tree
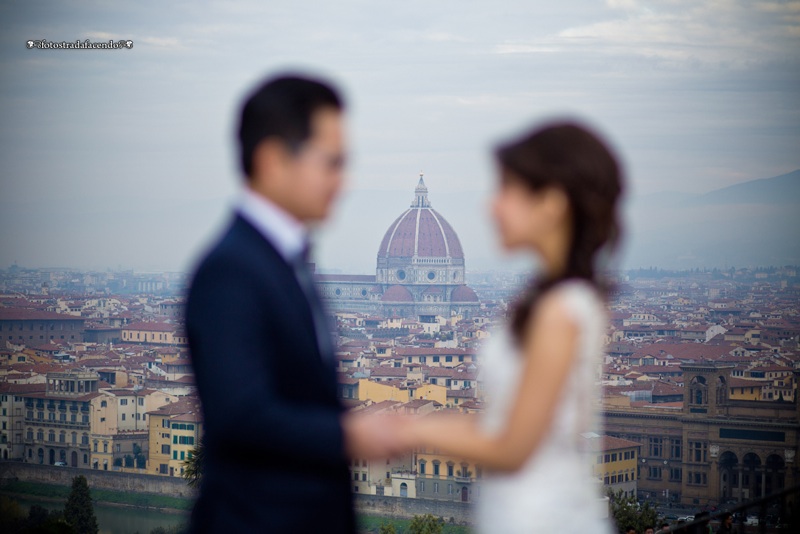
{"x": 42, "y": 521}
{"x": 387, "y": 528}
{"x": 12, "y": 516}
{"x": 426, "y": 524}
{"x": 79, "y": 511}
{"x": 627, "y": 512}
{"x": 139, "y": 456}
{"x": 193, "y": 466}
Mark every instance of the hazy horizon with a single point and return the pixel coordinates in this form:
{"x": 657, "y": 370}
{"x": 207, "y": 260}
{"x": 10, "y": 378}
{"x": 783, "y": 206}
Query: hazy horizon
{"x": 126, "y": 157}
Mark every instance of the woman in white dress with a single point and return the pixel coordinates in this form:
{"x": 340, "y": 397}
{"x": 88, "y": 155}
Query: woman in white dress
{"x": 557, "y": 197}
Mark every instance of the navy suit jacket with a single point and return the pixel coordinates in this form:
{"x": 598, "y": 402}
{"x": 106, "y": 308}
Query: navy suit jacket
{"x": 275, "y": 458}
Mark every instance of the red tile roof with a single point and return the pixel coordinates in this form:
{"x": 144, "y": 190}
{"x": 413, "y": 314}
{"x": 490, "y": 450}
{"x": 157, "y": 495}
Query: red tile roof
{"x": 23, "y": 314}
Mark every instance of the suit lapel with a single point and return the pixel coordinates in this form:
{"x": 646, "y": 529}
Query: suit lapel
{"x": 288, "y": 282}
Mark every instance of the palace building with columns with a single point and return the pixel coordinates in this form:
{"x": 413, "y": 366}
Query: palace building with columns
{"x": 713, "y": 449}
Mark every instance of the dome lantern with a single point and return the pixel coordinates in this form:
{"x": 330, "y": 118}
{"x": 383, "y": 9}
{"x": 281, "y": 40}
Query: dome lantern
{"x": 421, "y": 195}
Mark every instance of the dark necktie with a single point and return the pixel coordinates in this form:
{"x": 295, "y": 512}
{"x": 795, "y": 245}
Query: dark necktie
{"x": 321, "y": 326}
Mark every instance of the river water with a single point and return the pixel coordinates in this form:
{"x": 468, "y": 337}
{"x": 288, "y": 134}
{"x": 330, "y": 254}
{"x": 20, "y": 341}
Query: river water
{"x": 117, "y": 519}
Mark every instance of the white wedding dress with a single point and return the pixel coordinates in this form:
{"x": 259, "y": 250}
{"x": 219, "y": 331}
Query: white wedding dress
{"x": 554, "y": 490}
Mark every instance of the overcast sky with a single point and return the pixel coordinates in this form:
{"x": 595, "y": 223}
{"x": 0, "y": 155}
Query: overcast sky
{"x": 125, "y": 158}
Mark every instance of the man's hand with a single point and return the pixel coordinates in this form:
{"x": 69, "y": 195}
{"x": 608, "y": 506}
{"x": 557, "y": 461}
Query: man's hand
{"x": 373, "y": 436}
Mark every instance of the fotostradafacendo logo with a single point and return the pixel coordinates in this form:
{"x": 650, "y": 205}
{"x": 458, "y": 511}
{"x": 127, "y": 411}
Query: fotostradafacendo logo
{"x": 86, "y": 44}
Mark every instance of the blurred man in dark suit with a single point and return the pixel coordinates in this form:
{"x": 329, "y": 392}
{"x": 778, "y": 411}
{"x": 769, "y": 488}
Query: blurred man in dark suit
{"x": 276, "y": 438}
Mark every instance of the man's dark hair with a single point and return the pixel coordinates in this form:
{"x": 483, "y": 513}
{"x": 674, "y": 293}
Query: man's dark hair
{"x": 282, "y": 107}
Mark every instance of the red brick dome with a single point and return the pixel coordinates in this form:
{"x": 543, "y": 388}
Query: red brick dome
{"x": 397, "y": 294}
{"x": 464, "y": 294}
{"x": 420, "y": 231}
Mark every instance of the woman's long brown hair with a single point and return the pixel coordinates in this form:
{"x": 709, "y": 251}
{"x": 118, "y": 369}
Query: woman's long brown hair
{"x": 572, "y": 158}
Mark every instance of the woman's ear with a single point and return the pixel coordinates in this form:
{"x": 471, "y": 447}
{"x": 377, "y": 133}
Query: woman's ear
{"x": 556, "y": 203}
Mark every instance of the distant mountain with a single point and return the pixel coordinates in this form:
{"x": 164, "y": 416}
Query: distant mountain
{"x": 749, "y": 224}
{"x": 783, "y": 189}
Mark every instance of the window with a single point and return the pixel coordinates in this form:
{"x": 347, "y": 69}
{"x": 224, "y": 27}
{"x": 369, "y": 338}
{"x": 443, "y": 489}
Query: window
{"x": 103, "y": 404}
{"x": 436, "y": 468}
{"x": 698, "y": 478}
{"x": 123, "y": 417}
{"x": 613, "y": 456}
{"x": 422, "y": 464}
{"x": 449, "y": 489}
{"x": 105, "y": 446}
{"x": 449, "y": 470}
{"x": 675, "y": 449}
{"x": 363, "y": 477}
{"x": 165, "y": 449}
{"x": 654, "y": 473}
{"x": 675, "y": 474}
{"x": 436, "y": 487}
{"x": 422, "y": 486}
{"x": 123, "y": 402}
{"x": 355, "y": 476}
{"x": 698, "y": 451}
{"x": 655, "y": 447}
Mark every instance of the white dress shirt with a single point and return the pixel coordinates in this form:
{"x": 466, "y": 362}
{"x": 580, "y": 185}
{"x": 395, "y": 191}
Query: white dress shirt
{"x": 288, "y": 235}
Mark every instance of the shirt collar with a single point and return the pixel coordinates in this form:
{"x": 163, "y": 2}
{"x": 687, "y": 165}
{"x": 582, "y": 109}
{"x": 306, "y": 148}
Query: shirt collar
{"x": 288, "y": 235}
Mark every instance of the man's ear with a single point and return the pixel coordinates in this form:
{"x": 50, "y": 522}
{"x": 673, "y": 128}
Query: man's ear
{"x": 270, "y": 159}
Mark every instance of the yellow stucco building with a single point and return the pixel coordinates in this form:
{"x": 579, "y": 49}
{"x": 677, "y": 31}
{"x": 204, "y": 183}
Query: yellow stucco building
{"x": 175, "y": 429}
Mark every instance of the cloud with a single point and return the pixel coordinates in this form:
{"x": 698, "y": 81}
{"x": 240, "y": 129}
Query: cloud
{"x": 165, "y": 42}
{"x": 723, "y": 32}
{"x": 516, "y": 48}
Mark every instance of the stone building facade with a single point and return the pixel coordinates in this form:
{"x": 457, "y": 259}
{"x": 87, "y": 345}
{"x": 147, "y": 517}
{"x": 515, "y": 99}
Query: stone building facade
{"x": 712, "y": 450}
